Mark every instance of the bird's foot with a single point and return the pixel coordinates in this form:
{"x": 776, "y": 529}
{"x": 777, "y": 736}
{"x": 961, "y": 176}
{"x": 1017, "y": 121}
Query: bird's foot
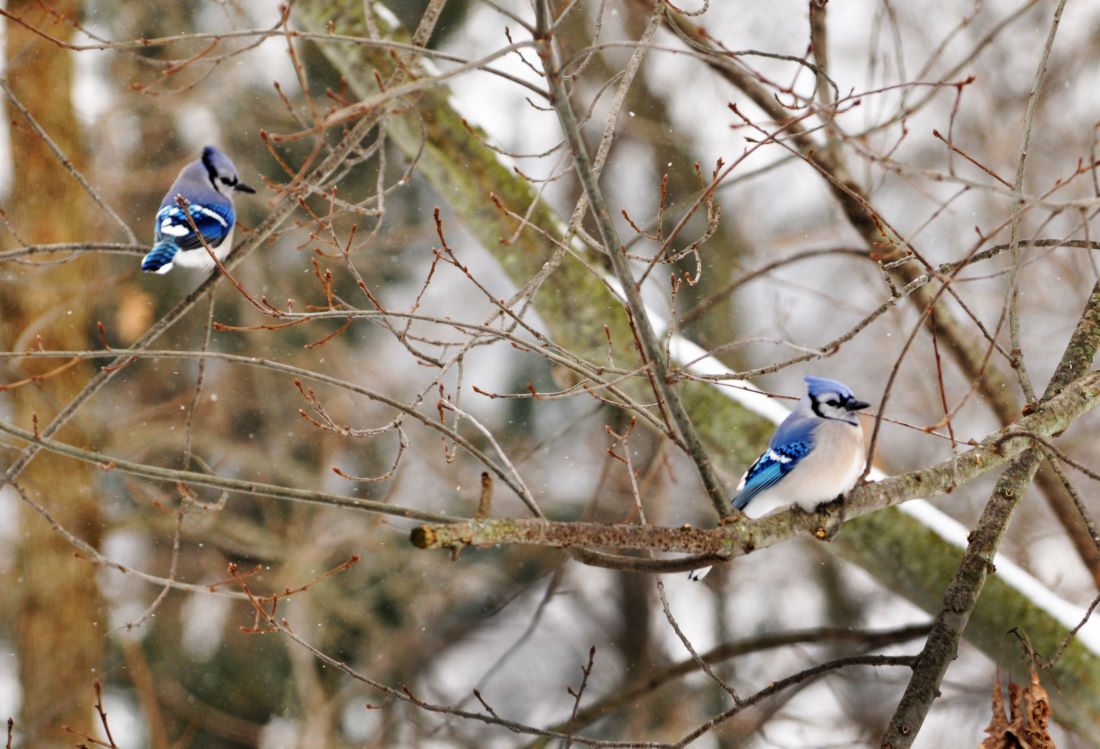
{"x": 832, "y": 514}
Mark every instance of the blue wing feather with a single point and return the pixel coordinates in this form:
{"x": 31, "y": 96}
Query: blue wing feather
{"x": 213, "y": 221}
{"x": 160, "y": 256}
{"x": 791, "y": 442}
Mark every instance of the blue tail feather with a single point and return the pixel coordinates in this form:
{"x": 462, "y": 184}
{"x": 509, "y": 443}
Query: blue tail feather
{"x": 159, "y": 259}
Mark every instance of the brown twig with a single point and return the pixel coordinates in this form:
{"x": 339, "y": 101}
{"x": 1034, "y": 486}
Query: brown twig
{"x": 404, "y": 694}
{"x": 217, "y": 482}
{"x": 649, "y": 346}
{"x": 110, "y": 743}
{"x": 977, "y": 563}
{"x": 793, "y": 680}
{"x": 276, "y": 216}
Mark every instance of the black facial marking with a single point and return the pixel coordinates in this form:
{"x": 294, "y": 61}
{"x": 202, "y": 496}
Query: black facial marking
{"x": 816, "y": 406}
{"x": 836, "y": 401}
{"x": 211, "y": 172}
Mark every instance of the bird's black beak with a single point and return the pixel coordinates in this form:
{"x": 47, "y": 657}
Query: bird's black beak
{"x": 854, "y": 405}
{"x": 242, "y": 187}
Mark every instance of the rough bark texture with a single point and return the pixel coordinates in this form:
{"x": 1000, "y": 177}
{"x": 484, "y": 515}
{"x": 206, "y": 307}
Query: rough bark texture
{"x": 942, "y": 646}
{"x": 966, "y": 586}
{"x": 60, "y": 625}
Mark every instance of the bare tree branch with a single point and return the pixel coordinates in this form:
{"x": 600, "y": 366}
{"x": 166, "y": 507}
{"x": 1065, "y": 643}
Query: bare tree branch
{"x": 744, "y": 536}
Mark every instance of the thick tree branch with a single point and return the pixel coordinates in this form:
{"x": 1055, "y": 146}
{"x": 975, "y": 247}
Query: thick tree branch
{"x": 942, "y": 645}
{"x": 743, "y": 536}
{"x": 962, "y": 595}
{"x": 1078, "y": 357}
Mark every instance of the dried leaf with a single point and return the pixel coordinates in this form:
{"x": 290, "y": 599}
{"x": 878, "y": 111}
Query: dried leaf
{"x": 1025, "y": 726}
{"x": 1038, "y": 715}
{"x": 998, "y": 727}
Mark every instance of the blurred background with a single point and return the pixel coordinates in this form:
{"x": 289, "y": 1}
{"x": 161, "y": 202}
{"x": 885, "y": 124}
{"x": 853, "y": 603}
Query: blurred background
{"x": 921, "y": 106}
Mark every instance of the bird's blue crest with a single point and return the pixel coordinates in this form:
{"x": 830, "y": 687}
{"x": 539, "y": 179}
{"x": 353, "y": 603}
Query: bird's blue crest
{"x": 818, "y": 385}
{"x": 217, "y": 161}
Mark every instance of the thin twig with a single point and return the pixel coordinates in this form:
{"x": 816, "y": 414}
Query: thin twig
{"x": 1017, "y": 187}
{"x": 65, "y": 162}
{"x": 406, "y": 695}
{"x": 278, "y": 213}
{"x": 636, "y": 690}
{"x": 647, "y": 340}
{"x": 107, "y": 463}
{"x": 795, "y": 679}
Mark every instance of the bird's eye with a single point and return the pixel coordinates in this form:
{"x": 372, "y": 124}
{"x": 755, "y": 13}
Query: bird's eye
{"x": 228, "y": 181}
{"x": 833, "y": 402}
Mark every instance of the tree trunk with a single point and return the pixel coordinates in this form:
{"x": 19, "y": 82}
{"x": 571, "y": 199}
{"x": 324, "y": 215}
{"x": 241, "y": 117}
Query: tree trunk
{"x": 60, "y": 624}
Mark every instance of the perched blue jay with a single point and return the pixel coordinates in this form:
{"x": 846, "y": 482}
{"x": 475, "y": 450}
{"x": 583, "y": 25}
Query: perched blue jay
{"x": 816, "y": 455}
{"x": 208, "y": 186}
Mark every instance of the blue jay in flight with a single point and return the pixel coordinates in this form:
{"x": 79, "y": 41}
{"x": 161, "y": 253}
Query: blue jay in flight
{"x": 208, "y": 186}
{"x": 816, "y": 455}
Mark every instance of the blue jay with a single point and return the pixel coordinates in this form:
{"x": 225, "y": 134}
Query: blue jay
{"x": 208, "y": 186}
{"x": 815, "y": 455}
